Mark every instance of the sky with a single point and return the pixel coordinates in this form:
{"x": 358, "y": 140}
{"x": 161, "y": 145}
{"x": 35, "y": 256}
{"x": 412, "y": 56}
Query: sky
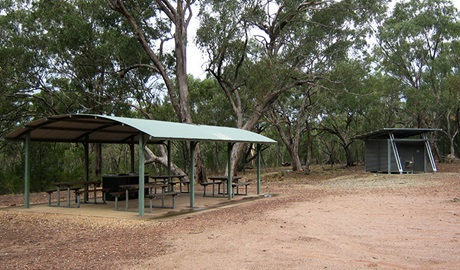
{"x": 196, "y": 60}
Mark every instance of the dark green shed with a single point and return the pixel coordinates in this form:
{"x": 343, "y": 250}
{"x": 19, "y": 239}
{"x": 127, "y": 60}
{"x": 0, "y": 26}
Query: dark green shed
{"x": 398, "y": 150}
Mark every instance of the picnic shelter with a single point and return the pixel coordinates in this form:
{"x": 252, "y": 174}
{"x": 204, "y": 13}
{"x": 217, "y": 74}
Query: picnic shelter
{"x": 104, "y": 129}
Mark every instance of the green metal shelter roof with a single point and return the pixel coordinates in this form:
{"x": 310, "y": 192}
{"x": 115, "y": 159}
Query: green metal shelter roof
{"x": 111, "y": 129}
{"x": 397, "y": 133}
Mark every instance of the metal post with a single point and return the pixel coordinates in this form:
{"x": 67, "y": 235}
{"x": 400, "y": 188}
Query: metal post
{"x": 27, "y": 171}
{"x": 396, "y": 153}
{"x": 131, "y": 148}
{"x": 430, "y": 153}
{"x": 86, "y": 177}
{"x": 192, "y": 174}
{"x": 169, "y": 165}
{"x": 389, "y": 156}
{"x": 258, "y": 169}
{"x": 141, "y": 174}
{"x": 230, "y": 172}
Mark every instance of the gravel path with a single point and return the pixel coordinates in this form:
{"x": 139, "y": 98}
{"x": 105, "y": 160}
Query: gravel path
{"x": 336, "y": 220}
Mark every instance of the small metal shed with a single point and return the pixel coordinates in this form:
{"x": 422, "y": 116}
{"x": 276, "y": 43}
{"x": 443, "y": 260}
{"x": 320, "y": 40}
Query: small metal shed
{"x": 398, "y": 150}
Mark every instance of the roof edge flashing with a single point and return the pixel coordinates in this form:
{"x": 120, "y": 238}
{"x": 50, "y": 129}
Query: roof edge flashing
{"x": 67, "y": 128}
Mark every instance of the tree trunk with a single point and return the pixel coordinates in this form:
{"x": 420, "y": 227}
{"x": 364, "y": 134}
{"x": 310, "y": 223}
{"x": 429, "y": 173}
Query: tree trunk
{"x": 181, "y": 103}
{"x": 97, "y": 148}
{"x": 296, "y": 163}
{"x": 348, "y": 155}
{"x": 200, "y": 169}
{"x": 163, "y": 161}
{"x": 309, "y": 148}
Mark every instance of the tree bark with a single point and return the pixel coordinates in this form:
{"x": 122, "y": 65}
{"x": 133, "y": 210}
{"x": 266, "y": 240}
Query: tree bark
{"x": 180, "y": 16}
{"x": 162, "y": 160}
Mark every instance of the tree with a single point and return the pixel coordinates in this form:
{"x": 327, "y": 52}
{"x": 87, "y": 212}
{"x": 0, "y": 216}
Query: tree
{"x": 57, "y": 60}
{"x": 414, "y": 45}
{"x": 259, "y": 50}
{"x": 291, "y": 117}
{"x": 152, "y": 30}
{"x": 345, "y": 103}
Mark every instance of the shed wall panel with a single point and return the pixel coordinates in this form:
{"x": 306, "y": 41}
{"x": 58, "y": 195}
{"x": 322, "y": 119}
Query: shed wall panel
{"x": 412, "y": 152}
{"x": 377, "y": 156}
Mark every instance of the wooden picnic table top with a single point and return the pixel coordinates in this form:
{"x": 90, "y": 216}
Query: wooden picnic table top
{"x": 167, "y": 176}
{"x": 69, "y": 184}
{"x": 224, "y": 177}
{"x": 146, "y": 185}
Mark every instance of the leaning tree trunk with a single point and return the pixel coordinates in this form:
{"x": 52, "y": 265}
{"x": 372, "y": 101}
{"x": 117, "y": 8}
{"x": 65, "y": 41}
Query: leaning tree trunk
{"x": 178, "y": 15}
{"x": 163, "y": 161}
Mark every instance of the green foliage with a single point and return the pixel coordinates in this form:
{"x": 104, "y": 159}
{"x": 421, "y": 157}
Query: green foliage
{"x": 11, "y": 168}
{"x": 355, "y": 65}
{"x": 416, "y": 47}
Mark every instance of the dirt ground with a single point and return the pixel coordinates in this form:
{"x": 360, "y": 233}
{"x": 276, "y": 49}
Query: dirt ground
{"x": 330, "y": 219}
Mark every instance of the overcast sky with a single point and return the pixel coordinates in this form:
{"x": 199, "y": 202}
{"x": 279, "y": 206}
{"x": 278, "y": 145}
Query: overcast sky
{"x": 195, "y": 58}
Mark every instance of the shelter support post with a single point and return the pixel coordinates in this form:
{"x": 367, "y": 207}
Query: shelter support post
{"x": 389, "y": 157}
{"x": 131, "y": 150}
{"x": 230, "y": 172}
{"x": 258, "y": 169}
{"x": 141, "y": 174}
{"x": 168, "y": 146}
{"x": 86, "y": 177}
{"x": 192, "y": 174}
{"x": 27, "y": 171}
{"x": 430, "y": 153}
{"x": 396, "y": 153}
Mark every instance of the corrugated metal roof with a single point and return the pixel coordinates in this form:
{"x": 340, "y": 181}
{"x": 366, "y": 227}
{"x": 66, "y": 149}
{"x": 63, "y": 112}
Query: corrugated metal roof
{"x": 397, "y": 132}
{"x": 112, "y": 129}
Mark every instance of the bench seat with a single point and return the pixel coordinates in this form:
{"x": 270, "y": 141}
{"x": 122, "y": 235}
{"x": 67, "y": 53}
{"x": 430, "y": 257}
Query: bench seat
{"x": 92, "y": 190}
{"x": 51, "y": 191}
{"x": 117, "y": 194}
{"x": 240, "y": 184}
{"x": 163, "y": 195}
{"x": 213, "y": 184}
{"x": 185, "y": 183}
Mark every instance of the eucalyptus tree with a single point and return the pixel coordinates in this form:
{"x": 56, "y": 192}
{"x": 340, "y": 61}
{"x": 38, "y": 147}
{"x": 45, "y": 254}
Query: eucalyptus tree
{"x": 346, "y": 99}
{"x": 260, "y": 50}
{"x": 450, "y": 98}
{"x": 384, "y": 107}
{"x": 65, "y": 57}
{"x": 292, "y": 115}
{"x": 153, "y": 24}
{"x": 72, "y": 56}
{"x": 450, "y": 123}
{"x": 415, "y": 46}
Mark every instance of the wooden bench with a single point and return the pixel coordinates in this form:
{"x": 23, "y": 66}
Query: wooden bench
{"x": 213, "y": 184}
{"x": 240, "y": 184}
{"x": 92, "y": 190}
{"x": 163, "y": 195}
{"x": 117, "y": 194}
{"x": 185, "y": 183}
{"x": 51, "y": 191}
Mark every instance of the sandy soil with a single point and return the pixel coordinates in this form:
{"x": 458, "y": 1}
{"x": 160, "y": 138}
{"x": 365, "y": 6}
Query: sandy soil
{"x": 338, "y": 219}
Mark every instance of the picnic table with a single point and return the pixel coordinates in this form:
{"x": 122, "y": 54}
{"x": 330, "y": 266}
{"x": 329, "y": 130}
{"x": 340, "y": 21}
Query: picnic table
{"x": 169, "y": 179}
{"x": 219, "y": 180}
{"x": 152, "y": 187}
{"x": 75, "y": 186}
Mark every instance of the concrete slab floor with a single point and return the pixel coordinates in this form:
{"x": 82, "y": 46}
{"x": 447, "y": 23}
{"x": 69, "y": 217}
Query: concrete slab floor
{"x": 182, "y": 207}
